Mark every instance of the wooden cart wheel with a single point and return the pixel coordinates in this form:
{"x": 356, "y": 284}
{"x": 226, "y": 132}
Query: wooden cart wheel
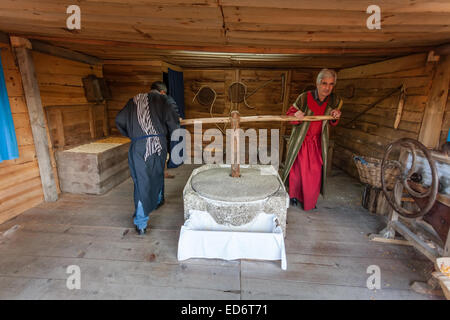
{"x": 403, "y": 180}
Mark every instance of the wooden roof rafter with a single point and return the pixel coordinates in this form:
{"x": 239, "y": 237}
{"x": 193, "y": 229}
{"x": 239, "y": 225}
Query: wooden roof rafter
{"x": 150, "y": 29}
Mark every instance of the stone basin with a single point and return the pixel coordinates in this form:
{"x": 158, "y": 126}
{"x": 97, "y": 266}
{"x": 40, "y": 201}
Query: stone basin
{"x": 236, "y": 201}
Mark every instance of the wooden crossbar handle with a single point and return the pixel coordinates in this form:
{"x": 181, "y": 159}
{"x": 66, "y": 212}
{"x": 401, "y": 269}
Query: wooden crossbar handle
{"x": 254, "y": 118}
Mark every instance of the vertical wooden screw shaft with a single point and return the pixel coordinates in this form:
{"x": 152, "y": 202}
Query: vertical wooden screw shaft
{"x": 235, "y": 169}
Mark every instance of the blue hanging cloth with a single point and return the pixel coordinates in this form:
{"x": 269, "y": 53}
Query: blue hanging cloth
{"x": 176, "y": 90}
{"x": 8, "y": 141}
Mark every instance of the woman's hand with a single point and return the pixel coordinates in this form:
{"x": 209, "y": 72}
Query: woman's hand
{"x": 335, "y": 113}
{"x": 300, "y": 115}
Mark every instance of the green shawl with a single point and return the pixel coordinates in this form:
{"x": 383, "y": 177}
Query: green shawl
{"x": 299, "y": 132}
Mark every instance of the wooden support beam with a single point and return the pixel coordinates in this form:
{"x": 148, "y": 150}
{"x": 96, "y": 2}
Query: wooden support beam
{"x": 275, "y": 118}
{"x": 242, "y": 49}
{"x": 286, "y": 92}
{"x": 434, "y": 111}
{"x": 105, "y": 120}
{"x": 447, "y": 246}
{"x": 235, "y": 160}
{"x": 17, "y": 42}
{"x": 4, "y": 40}
{"x": 416, "y": 241}
{"x": 150, "y": 63}
{"x": 165, "y": 67}
{"x": 60, "y": 129}
{"x": 391, "y": 241}
{"x": 37, "y": 118}
{"x": 443, "y": 50}
{"x": 92, "y": 120}
{"x": 64, "y": 53}
{"x": 387, "y": 66}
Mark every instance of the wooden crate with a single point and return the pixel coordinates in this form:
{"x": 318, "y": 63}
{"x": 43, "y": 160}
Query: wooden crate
{"x": 93, "y": 168}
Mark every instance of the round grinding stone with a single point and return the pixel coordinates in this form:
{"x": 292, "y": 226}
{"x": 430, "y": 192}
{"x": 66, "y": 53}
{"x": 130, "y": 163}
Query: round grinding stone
{"x": 217, "y": 184}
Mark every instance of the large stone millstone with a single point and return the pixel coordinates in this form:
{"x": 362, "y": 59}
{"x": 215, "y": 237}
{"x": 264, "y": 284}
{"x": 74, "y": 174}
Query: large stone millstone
{"x": 236, "y": 201}
{"x": 217, "y": 184}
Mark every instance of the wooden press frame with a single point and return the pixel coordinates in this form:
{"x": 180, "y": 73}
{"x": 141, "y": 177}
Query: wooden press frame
{"x": 417, "y": 232}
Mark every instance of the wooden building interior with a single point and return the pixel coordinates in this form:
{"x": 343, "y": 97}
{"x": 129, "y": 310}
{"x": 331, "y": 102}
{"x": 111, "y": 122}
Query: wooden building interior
{"x": 274, "y": 47}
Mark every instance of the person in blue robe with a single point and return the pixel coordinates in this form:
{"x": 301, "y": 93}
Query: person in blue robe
{"x": 148, "y": 119}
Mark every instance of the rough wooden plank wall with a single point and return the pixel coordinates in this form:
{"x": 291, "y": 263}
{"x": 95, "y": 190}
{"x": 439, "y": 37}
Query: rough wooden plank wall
{"x": 374, "y": 130}
{"x": 125, "y": 81}
{"x": 268, "y": 100}
{"x": 64, "y": 100}
{"x": 446, "y": 123}
{"x": 60, "y": 82}
{"x": 20, "y": 183}
{"x": 76, "y": 124}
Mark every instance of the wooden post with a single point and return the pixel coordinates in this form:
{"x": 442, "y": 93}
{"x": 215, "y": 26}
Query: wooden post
{"x": 105, "y": 120}
{"x": 437, "y": 100}
{"x": 36, "y": 112}
{"x": 60, "y": 129}
{"x": 330, "y": 157}
{"x": 447, "y": 246}
{"x": 92, "y": 120}
{"x": 4, "y": 40}
{"x": 389, "y": 231}
{"x": 237, "y": 78}
{"x": 235, "y": 169}
{"x": 287, "y": 92}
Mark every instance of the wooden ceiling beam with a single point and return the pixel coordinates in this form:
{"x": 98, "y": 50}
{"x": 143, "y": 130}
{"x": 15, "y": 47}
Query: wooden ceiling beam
{"x": 237, "y": 49}
{"x": 64, "y": 53}
{"x": 392, "y": 6}
{"x": 402, "y": 29}
{"x": 386, "y": 66}
{"x": 360, "y": 37}
{"x": 327, "y": 17}
{"x": 157, "y": 27}
{"x": 443, "y": 49}
{"x": 150, "y": 63}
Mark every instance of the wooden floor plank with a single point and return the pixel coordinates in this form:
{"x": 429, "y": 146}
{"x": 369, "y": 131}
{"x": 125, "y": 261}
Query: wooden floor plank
{"x": 97, "y": 274}
{"x": 253, "y": 289}
{"x": 339, "y": 271}
{"x": 328, "y": 252}
{"x": 43, "y": 289}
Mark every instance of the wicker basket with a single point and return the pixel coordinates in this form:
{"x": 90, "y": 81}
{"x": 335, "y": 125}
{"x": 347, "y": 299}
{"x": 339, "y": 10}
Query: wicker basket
{"x": 369, "y": 170}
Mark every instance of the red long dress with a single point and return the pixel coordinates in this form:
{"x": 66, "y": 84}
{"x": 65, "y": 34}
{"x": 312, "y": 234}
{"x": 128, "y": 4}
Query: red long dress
{"x": 305, "y": 175}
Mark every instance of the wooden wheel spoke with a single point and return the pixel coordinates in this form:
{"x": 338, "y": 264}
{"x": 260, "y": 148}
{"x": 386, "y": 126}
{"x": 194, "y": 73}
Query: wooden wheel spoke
{"x": 403, "y": 182}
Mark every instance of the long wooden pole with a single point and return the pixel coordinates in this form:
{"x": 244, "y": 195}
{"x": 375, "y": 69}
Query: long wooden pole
{"x": 374, "y": 105}
{"x": 235, "y": 120}
{"x": 286, "y": 94}
{"x": 235, "y": 161}
{"x": 254, "y": 119}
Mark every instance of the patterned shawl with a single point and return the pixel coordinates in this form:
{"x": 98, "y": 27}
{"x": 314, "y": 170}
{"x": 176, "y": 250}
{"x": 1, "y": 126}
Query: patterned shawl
{"x": 145, "y": 121}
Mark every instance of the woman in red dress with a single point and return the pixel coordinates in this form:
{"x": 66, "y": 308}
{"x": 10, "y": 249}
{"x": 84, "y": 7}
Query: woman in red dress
{"x": 305, "y": 175}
